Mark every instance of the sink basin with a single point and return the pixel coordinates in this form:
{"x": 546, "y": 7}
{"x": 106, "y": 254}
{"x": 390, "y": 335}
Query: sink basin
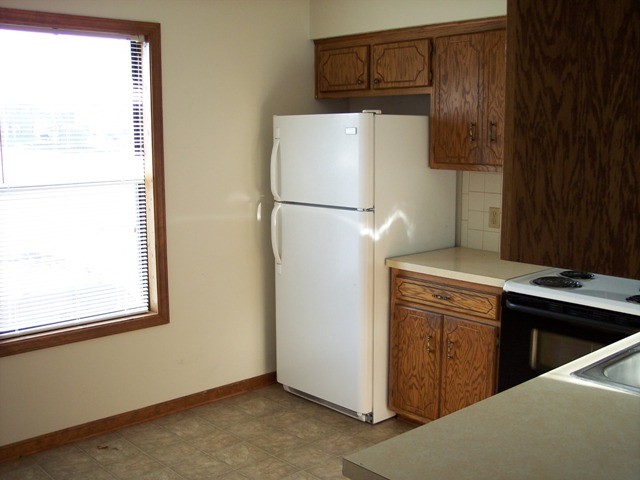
{"x": 620, "y": 370}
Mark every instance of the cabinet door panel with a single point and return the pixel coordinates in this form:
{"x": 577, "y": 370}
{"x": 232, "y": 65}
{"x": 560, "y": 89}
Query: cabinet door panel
{"x": 401, "y": 64}
{"x": 415, "y": 362}
{"x": 573, "y": 138}
{"x": 456, "y": 127}
{"x": 494, "y": 73}
{"x": 343, "y": 69}
{"x": 468, "y": 368}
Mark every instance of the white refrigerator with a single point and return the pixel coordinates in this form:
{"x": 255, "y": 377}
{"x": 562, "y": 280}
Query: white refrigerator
{"x": 349, "y": 191}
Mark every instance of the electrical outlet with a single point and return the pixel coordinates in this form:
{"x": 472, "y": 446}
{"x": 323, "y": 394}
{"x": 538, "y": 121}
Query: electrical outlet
{"x": 494, "y": 217}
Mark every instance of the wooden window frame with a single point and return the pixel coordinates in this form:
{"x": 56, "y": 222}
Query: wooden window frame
{"x": 158, "y": 276}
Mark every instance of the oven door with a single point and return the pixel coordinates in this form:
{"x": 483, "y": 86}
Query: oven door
{"x": 535, "y": 341}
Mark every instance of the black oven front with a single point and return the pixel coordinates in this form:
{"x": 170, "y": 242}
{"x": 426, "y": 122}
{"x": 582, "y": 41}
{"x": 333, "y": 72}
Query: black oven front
{"x": 538, "y": 335}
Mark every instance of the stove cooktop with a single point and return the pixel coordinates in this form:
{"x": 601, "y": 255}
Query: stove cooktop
{"x": 594, "y": 290}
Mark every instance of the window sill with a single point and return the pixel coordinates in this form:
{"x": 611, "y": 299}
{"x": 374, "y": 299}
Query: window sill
{"x": 37, "y": 341}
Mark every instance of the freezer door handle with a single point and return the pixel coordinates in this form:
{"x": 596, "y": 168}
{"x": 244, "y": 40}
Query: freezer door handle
{"x": 274, "y": 168}
{"x": 275, "y": 246}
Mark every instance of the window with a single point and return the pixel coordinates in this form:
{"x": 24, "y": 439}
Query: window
{"x": 82, "y": 229}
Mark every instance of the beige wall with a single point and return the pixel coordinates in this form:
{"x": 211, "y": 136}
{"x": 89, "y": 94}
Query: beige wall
{"x": 228, "y": 66}
{"x": 330, "y": 18}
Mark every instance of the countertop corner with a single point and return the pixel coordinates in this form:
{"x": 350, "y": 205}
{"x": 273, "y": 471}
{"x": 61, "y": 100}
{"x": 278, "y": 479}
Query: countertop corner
{"x": 465, "y": 264}
{"x": 553, "y": 427}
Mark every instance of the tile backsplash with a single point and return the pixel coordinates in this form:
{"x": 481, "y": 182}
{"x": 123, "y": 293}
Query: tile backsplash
{"x": 478, "y": 192}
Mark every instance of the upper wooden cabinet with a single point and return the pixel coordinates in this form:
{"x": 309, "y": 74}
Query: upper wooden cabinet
{"x": 467, "y": 105}
{"x": 372, "y": 69}
{"x": 391, "y": 62}
{"x": 343, "y": 69}
{"x": 401, "y": 64}
{"x": 571, "y": 194}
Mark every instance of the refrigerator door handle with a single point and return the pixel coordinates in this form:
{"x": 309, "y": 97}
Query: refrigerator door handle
{"x": 274, "y": 168}
{"x": 274, "y": 234}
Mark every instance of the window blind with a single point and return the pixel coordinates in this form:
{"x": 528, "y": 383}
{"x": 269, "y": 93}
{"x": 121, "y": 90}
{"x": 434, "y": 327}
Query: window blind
{"x": 73, "y": 237}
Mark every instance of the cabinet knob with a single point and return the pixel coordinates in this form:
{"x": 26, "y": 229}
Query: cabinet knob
{"x": 377, "y": 80}
{"x": 359, "y": 81}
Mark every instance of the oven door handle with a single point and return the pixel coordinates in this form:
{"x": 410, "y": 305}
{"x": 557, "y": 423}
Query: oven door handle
{"x": 574, "y": 320}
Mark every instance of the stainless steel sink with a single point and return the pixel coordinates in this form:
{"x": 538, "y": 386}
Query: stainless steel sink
{"x": 620, "y": 370}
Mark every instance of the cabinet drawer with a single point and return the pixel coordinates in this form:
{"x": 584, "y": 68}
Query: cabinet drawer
{"x": 447, "y": 297}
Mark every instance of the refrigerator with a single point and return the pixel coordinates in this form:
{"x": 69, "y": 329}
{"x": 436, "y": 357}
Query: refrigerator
{"x": 350, "y": 190}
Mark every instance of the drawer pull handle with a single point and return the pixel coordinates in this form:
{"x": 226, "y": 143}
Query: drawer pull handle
{"x": 441, "y": 296}
{"x": 449, "y": 349}
{"x": 472, "y": 132}
{"x": 429, "y": 348}
{"x": 492, "y": 132}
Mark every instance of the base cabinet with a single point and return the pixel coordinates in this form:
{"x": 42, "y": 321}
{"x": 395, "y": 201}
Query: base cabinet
{"x": 439, "y": 362}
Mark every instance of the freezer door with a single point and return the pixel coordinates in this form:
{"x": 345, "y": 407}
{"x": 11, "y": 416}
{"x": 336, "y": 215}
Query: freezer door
{"x": 323, "y": 159}
{"x": 324, "y": 303}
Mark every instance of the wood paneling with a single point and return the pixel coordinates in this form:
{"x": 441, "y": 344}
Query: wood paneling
{"x": 572, "y": 169}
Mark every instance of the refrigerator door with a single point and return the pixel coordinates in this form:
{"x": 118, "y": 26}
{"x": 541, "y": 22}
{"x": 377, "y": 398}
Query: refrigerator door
{"x": 324, "y": 303}
{"x": 323, "y": 159}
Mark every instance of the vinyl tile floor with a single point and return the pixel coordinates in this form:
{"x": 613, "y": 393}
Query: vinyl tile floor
{"x": 264, "y": 434}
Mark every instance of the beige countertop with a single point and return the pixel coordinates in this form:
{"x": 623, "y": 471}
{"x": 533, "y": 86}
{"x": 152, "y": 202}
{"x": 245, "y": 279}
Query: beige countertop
{"x": 552, "y": 427}
{"x": 466, "y": 264}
